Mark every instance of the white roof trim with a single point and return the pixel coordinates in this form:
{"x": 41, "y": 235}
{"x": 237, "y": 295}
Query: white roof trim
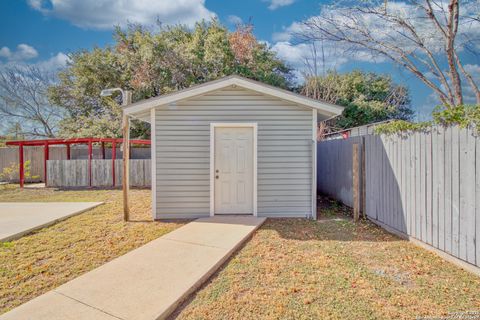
{"x": 144, "y": 105}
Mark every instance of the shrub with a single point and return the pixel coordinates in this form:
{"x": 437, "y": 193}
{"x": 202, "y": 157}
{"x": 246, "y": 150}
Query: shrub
{"x": 10, "y": 173}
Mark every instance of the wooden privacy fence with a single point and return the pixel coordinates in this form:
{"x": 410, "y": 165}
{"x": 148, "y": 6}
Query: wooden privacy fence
{"x": 74, "y": 173}
{"x": 335, "y": 169}
{"x": 423, "y": 184}
{"x": 9, "y": 156}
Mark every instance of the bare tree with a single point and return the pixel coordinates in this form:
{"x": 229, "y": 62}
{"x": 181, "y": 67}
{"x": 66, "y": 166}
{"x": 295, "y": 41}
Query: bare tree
{"x": 23, "y": 100}
{"x": 423, "y": 36}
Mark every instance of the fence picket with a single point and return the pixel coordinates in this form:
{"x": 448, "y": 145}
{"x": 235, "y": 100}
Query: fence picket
{"x": 428, "y": 186}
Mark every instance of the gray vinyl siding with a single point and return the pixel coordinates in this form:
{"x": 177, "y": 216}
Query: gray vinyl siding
{"x": 284, "y": 153}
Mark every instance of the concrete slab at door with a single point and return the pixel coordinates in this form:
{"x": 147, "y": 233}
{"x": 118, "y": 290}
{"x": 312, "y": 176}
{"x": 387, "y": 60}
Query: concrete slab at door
{"x": 217, "y": 231}
{"x": 20, "y": 218}
{"x": 151, "y": 281}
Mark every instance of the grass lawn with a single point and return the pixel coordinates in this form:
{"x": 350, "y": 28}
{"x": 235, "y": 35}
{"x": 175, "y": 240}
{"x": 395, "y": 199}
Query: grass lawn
{"x": 332, "y": 269}
{"x": 39, "y": 262}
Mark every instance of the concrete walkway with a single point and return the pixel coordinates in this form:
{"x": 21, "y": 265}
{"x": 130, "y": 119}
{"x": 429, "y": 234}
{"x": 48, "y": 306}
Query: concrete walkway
{"x": 20, "y": 218}
{"x": 148, "y": 282}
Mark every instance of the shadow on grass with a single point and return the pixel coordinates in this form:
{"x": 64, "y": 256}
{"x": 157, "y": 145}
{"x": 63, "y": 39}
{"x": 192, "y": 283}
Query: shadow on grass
{"x": 334, "y": 223}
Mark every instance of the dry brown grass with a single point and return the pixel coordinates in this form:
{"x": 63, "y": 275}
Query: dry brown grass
{"x": 52, "y": 256}
{"x": 332, "y": 269}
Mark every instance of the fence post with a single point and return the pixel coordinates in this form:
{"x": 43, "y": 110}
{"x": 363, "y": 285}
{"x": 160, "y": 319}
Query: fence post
{"x": 114, "y": 157}
{"x": 68, "y": 151}
{"x": 364, "y": 180}
{"x": 45, "y": 159}
{"x": 21, "y": 165}
{"x": 126, "y": 164}
{"x": 90, "y": 151}
{"x": 356, "y": 182}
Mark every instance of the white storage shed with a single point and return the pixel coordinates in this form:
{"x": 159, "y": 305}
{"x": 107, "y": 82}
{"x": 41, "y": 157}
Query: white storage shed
{"x": 233, "y": 146}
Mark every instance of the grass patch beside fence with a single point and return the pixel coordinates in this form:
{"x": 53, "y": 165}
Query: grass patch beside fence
{"x": 37, "y": 263}
{"x": 332, "y": 269}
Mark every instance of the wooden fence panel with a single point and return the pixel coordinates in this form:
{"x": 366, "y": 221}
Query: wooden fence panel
{"x": 448, "y": 190}
{"x": 334, "y": 166}
{"x": 74, "y": 173}
{"x": 424, "y": 184}
{"x": 435, "y": 187}
{"x": 101, "y": 173}
{"x": 428, "y": 188}
{"x": 63, "y": 173}
{"x": 455, "y": 190}
{"x": 440, "y": 171}
{"x": 467, "y": 206}
{"x": 477, "y": 201}
{"x": 412, "y": 175}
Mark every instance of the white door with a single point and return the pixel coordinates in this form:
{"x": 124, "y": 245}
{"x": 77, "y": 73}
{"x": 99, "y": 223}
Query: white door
{"x": 233, "y": 170}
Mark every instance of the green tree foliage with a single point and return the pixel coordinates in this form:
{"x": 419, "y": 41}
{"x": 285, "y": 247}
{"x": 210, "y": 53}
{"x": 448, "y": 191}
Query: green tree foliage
{"x": 461, "y": 115}
{"x": 155, "y": 63}
{"x": 367, "y": 97}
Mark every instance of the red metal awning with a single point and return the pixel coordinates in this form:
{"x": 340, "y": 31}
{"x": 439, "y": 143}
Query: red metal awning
{"x": 72, "y": 141}
{"x": 48, "y": 142}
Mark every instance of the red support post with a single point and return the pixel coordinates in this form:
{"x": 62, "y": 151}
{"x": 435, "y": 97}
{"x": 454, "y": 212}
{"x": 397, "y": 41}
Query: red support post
{"x": 21, "y": 172}
{"x": 68, "y": 151}
{"x": 45, "y": 158}
{"x": 114, "y": 156}
{"x": 90, "y": 163}
{"x": 103, "y": 150}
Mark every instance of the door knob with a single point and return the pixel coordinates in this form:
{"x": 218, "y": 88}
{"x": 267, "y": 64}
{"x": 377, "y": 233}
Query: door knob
{"x": 216, "y": 177}
{"x": 216, "y": 171}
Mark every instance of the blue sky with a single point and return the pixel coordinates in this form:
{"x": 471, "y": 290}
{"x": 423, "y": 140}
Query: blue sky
{"x": 44, "y": 31}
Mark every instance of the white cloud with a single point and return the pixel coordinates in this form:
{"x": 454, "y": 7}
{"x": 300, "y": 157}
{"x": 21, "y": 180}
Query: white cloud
{"x": 366, "y": 27}
{"x": 468, "y": 94}
{"x": 58, "y": 61}
{"x": 5, "y": 52}
{"x": 275, "y": 4}
{"x": 389, "y": 32}
{"x": 288, "y": 33}
{"x": 52, "y": 64}
{"x": 22, "y": 53}
{"x": 105, "y": 14}
{"x": 307, "y": 58}
{"x": 474, "y": 71}
{"x": 233, "y": 19}
{"x": 424, "y": 111}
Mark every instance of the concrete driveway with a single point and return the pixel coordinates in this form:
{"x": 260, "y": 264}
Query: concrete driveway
{"x": 20, "y": 218}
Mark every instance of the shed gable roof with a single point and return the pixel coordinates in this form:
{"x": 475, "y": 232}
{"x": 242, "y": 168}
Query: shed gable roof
{"x": 144, "y": 106}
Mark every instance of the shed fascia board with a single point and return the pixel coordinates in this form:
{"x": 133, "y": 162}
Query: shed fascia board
{"x": 322, "y": 107}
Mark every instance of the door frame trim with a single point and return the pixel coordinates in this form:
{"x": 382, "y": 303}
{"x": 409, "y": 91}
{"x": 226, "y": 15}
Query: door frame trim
{"x": 252, "y": 125}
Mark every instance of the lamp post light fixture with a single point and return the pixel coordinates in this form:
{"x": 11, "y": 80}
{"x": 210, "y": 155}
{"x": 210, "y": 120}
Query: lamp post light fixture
{"x": 126, "y": 100}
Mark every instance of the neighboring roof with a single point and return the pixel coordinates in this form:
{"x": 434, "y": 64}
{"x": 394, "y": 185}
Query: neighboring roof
{"x": 145, "y": 105}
